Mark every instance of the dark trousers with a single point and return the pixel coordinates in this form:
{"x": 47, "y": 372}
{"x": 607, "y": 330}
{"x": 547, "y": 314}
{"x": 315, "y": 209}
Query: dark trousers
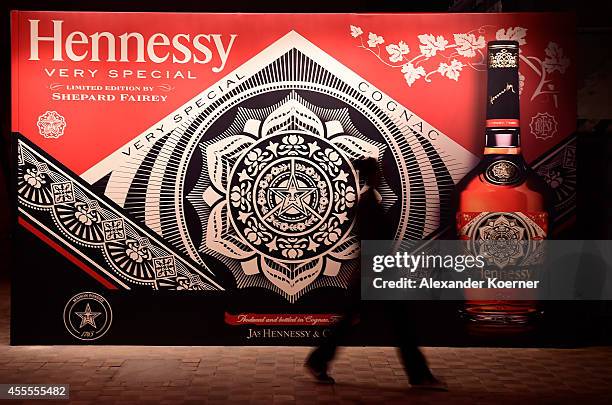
{"x": 397, "y": 314}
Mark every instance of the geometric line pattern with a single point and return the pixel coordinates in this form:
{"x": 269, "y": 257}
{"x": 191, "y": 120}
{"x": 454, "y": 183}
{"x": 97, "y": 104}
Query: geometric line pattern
{"x": 91, "y": 227}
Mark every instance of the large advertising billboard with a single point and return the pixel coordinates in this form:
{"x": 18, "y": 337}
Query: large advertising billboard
{"x": 190, "y": 179}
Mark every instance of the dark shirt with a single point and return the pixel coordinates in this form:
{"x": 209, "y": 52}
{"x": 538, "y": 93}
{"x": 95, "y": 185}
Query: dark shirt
{"x": 372, "y": 223}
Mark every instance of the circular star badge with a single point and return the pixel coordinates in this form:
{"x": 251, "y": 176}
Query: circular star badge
{"x": 88, "y": 316}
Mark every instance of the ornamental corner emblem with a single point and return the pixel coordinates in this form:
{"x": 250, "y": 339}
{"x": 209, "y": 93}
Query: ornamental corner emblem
{"x": 51, "y": 125}
{"x": 543, "y": 126}
{"x": 503, "y": 59}
{"x": 502, "y": 172}
{"x": 88, "y": 316}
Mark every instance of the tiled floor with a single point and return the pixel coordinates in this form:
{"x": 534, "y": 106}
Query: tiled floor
{"x": 128, "y": 374}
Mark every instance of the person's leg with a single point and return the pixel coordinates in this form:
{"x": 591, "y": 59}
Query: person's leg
{"x": 412, "y": 358}
{"x": 415, "y": 364}
{"x": 326, "y": 351}
{"x": 318, "y": 360}
{"x": 414, "y": 361}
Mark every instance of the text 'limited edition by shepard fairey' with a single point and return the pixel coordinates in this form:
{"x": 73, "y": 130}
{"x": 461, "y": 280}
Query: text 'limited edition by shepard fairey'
{"x": 502, "y": 204}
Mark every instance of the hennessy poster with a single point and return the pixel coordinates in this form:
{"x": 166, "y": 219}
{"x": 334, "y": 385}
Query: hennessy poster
{"x": 190, "y": 179}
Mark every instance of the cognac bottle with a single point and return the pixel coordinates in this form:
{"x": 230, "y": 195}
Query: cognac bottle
{"x": 501, "y": 199}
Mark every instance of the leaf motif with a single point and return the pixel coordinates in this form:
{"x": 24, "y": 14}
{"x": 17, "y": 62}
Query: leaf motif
{"x": 218, "y": 154}
{"x": 512, "y": 34}
{"x": 521, "y": 83}
{"x": 348, "y": 249}
{"x": 468, "y": 43}
{"x": 220, "y": 240}
{"x": 356, "y": 148}
{"x": 355, "y": 31}
{"x": 291, "y": 282}
{"x": 412, "y": 74}
{"x": 397, "y": 52}
{"x": 430, "y": 44}
{"x": 555, "y": 60}
{"x": 451, "y": 71}
{"x": 374, "y": 40}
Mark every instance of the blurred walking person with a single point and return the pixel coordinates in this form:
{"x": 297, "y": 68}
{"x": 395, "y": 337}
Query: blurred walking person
{"x": 372, "y": 225}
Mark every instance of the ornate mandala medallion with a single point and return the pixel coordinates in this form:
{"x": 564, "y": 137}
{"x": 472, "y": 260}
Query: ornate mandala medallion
{"x": 500, "y": 239}
{"x": 290, "y": 195}
{"x": 51, "y": 125}
{"x": 504, "y": 239}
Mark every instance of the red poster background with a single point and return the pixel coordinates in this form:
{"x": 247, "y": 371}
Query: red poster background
{"x": 94, "y": 129}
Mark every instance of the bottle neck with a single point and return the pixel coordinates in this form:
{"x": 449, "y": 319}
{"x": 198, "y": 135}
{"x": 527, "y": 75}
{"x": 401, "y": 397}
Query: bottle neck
{"x": 502, "y": 135}
{"x": 502, "y": 140}
{"x": 515, "y": 150}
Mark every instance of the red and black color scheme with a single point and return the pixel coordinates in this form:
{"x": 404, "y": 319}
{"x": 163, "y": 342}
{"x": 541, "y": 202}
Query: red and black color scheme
{"x": 196, "y": 170}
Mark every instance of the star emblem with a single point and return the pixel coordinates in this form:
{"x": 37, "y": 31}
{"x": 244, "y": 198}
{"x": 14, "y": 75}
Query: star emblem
{"x": 88, "y": 317}
{"x": 292, "y": 196}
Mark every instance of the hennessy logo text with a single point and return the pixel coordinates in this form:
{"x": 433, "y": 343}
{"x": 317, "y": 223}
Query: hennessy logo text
{"x": 131, "y": 46}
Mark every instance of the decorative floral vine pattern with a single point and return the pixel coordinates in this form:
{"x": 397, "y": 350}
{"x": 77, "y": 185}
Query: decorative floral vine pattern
{"x": 466, "y": 50}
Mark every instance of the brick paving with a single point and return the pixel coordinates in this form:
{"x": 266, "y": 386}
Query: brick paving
{"x": 274, "y": 375}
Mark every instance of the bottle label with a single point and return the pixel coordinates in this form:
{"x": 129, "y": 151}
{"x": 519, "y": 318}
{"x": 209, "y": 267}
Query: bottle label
{"x": 503, "y": 86}
{"x": 503, "y": 123}
{"x": 504, "y": 238}
{"x": 503, "y": 172}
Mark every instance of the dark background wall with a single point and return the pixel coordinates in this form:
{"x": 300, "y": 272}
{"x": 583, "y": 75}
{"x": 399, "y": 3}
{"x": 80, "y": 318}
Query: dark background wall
{"x": 594, "y": 37}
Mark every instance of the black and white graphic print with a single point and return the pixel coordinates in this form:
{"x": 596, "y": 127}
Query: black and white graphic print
{"x": 58, "y": 203}
{"x": 258, "y": 172}
{"x": 558, "y": 169}
{"x": 505, "y": 238}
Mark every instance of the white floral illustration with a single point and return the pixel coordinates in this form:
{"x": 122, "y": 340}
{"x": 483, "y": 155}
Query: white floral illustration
{"x": 34, "y": 178}
{"x": 374, "y": 40}
{"x": 555, "y": 60}
{"x": 451, "y": 71}
{"x": 411, "y": 74}
{"x": 86, "y": 215}
{"x": 136, "y": 252}
{"x": 356, "y": 31}
{"x": 512, "y": 34}
{"x": 468, "y": 44}
{"x": 468, "y": 50}
{"x": 397, "y": 52}
{"x": 431, "y": 44}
